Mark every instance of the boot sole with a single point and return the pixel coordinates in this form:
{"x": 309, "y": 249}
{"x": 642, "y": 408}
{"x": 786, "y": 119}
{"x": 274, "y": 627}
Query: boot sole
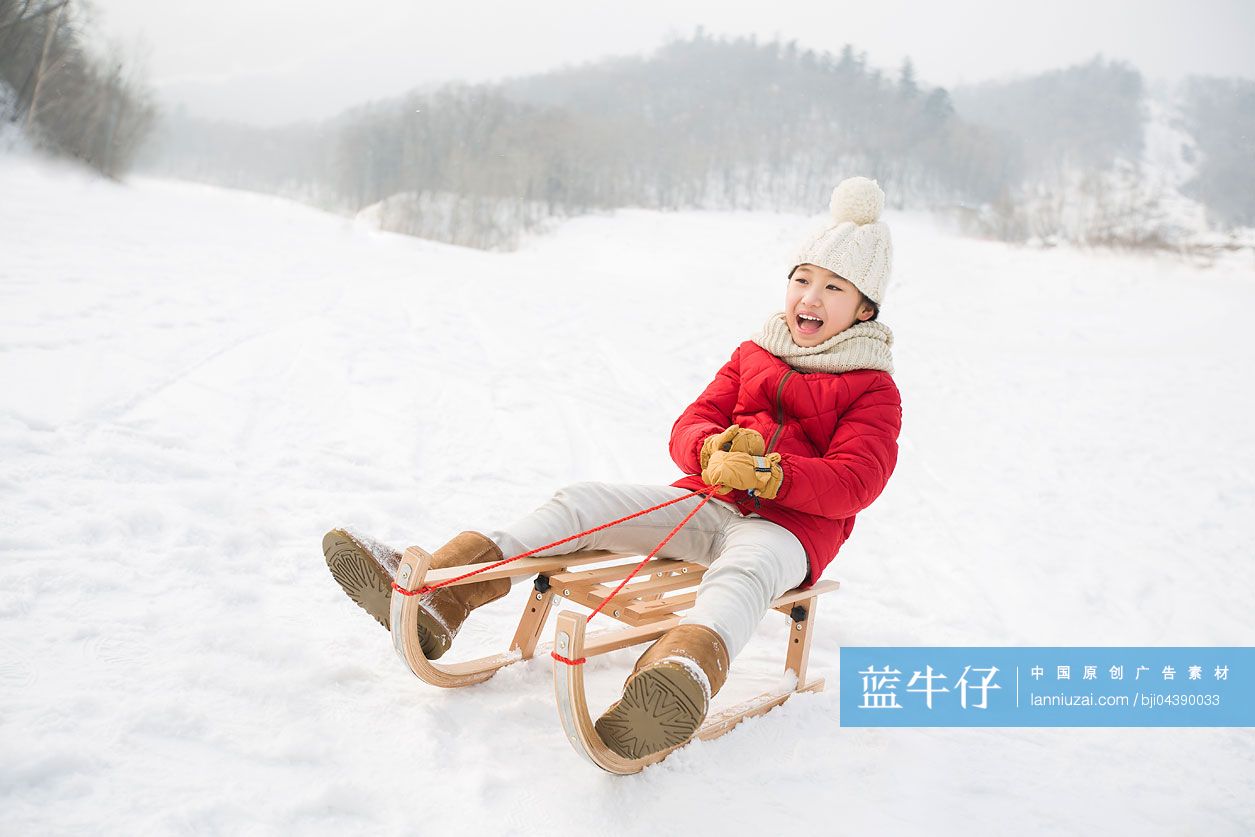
{"x": 662, "y": 706}
{"x": 370, "y": 586}
{"x": 355, "y": 570}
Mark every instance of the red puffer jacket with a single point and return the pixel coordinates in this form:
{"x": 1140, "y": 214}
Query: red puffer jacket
{"x": 837, "y": 435}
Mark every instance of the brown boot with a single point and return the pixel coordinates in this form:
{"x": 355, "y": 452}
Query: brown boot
{"x": 665, "y": 699}
{"x": 443, "y": 610}
{"x": 366, "y": 569}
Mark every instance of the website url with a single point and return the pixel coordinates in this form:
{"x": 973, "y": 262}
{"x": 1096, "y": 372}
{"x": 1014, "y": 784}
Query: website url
{"x": 1148, "y": 700}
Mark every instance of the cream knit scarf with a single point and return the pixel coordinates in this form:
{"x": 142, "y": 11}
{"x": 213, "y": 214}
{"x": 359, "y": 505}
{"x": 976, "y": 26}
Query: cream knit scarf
{"x": 861, "y": 346}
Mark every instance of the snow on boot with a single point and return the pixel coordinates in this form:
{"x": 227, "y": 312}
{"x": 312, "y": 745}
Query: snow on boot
{"x": 666, "y": 697}
{"x": 366, "y": 570}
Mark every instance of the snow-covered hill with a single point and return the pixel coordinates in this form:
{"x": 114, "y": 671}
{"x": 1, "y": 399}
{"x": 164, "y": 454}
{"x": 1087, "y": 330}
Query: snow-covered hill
{"x": 1170, "y": 158}
{"x": 196, "y": 383}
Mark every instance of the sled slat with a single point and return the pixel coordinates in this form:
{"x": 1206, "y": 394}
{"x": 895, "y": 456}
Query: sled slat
{"x": 622, "y": 571}
{"x": 587, "y": 599}
{"x": 786, "y": 602}
{"x": 616, "y": 609}
{"x": 650, "y": 588}
{"x": 523, "y": 566}
{"x": 668, "y": 605}
{"x": 632, "y": 617}
{"x": 660, "y": 585}
{"x": 605, "y": 641}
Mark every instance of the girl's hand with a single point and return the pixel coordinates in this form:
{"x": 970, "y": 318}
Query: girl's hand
{"x": 737, "y": 469}
{"x": 735, "y": 438}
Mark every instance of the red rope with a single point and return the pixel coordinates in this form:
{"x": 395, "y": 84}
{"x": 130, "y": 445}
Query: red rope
{"x": 567, "y": 660}
{"x": 707, "y": 490}
{"x": 709, "y": 493}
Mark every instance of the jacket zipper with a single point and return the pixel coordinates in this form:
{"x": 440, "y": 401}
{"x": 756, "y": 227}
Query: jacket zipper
{"x": 779, "y": 422}
{"x": 779, "y": 411}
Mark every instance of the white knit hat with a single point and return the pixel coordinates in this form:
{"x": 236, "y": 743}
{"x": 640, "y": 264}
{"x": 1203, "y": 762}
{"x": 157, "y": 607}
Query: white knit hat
{"x": 855, "y": 243}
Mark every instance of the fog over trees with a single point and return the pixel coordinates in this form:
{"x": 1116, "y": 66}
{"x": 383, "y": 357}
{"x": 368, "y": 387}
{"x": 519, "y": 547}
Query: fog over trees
{"x": 703, "y": 122}
{"x": 1221, "y": 116}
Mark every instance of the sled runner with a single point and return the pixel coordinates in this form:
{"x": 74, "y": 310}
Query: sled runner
{"x": 647, "y": 606}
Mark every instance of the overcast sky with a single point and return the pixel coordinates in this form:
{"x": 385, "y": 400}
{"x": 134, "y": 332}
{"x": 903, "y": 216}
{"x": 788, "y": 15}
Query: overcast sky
{"x": 270, "y": 61}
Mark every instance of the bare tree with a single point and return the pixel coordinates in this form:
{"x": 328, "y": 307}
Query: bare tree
{"x": 73, "y": 102}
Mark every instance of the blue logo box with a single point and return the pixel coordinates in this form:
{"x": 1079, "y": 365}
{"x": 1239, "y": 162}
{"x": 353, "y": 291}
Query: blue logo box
{"x": 1094, "y": 686}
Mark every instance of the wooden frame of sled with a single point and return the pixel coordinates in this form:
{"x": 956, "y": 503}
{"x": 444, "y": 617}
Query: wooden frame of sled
{"x": 648, "y": 606}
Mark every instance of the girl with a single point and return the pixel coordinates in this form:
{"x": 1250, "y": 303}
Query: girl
{"x": 799, "y": 429}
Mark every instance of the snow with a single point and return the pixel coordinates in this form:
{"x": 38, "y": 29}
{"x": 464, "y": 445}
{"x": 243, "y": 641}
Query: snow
{"x": 198, "y": 383}
{"x": 385, "y": 556}
{"x": 1170, "y": 159}
{"x": 694, "y": 670}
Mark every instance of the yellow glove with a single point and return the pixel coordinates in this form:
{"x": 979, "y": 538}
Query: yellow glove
{"x": 761, "y": 475}
{"x": 735, "y": 437}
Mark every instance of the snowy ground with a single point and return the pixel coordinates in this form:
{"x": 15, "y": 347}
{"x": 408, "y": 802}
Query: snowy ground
{"x": 196, "y": 383}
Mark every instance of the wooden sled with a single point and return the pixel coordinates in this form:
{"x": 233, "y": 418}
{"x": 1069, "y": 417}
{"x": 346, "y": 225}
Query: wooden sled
{"x": 648, "y": 606}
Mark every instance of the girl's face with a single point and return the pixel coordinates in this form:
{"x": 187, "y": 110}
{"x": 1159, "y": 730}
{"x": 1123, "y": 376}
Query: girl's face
{"x": 822, "y": 295}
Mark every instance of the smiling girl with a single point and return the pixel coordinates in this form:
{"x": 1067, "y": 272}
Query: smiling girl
{"x": 824, "y": 304}
{"x": 800, "y": 431}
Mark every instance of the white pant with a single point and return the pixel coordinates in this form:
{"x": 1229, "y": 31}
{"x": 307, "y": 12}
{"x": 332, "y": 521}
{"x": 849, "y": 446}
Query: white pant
{"x": 750, "y": 560}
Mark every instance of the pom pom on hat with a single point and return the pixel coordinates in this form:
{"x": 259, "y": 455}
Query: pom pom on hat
{"x": 857, "y": 199}
{"x": 855, "y": 244}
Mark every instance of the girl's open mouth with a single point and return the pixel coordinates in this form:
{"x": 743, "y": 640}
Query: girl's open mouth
{"x": 807, "y": 325}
